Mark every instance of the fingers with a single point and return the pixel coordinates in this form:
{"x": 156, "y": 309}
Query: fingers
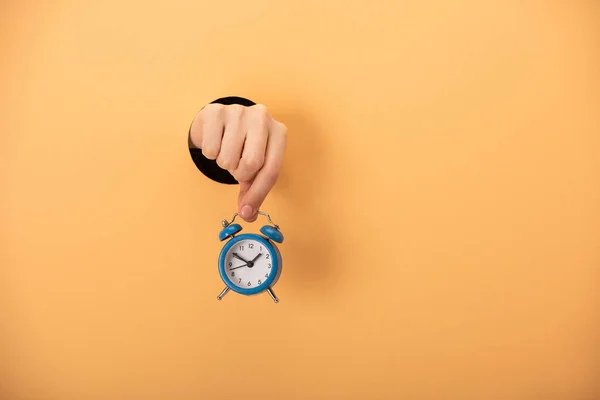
{"x": 207, "y": 130}
{"x": 255, "y": 145}
{"x": 233, "y": 138}
{"x": 196, "y": 131}
{"x": 253, "y": 194}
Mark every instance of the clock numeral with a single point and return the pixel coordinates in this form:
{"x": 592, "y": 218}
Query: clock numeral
{"x": 268, "y": 256}
{"x": 230, "y": 263}
{"x": 259, "y": 281}
{"x": 241, "y": 248}
{"x": 269, "y": 265}
{"x": 232, "y": 273}
{"x": 260, "y": 248}
{"x": 266, "y": 275}
{"x": 251, "y": 245}
{"x": 239, "y": 280}
{"x": 249, "y": 283}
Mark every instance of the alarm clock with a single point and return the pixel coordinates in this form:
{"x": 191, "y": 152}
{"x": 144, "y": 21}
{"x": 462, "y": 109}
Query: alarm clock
{"x": 250, "y": 263}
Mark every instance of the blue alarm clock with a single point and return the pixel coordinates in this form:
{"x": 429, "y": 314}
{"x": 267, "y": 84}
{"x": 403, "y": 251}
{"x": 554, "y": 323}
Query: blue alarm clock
{"x": 250, "y": 263}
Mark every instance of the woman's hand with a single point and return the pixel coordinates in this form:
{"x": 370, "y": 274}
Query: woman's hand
{"x": 246, "y": 141}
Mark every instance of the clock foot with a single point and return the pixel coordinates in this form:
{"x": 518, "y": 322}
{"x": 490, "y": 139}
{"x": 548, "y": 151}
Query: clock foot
{"x": 270, "y": 291}
{"x": 223, "y": 293}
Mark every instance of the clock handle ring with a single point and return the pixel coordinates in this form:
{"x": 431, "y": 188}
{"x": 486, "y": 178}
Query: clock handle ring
{"x": 226, "y": 223}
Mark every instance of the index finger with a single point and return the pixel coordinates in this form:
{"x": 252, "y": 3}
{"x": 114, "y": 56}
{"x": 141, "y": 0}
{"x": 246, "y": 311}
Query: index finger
{"x": 253, "y": 195}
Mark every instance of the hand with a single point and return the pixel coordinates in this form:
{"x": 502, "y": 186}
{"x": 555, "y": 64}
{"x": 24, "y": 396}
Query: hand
{"x": 239, "y": 266}
{"x": 235, "y": 255}
{"x": 239, "y": 258}
{"x": 246, "y": 141}
{"x": 248, "y": 264}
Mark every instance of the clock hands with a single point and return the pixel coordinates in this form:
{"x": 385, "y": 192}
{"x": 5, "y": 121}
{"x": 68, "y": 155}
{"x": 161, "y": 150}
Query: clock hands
{"x": 238, "y": 257}
{"x": 239, "y": 266}
{"x": 248, "y": 264}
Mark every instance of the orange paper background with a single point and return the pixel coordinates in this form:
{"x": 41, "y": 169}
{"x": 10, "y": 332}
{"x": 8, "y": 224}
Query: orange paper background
{"x": 440, "y": 199}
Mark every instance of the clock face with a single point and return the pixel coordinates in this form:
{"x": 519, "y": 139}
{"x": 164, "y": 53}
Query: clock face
{"x": 248, "y": 263}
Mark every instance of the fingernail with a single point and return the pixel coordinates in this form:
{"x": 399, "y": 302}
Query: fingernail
{"x": 246, "y": 211}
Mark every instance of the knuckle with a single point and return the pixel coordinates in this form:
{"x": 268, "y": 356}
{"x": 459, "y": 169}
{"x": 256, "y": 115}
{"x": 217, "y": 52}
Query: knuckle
{"x": 241, "y": 175}
{"x": 213, "y": 108}
{"x": 282, "y": 130}
{"x": 195, "y": 138}
{"x": 236, "y": 110}
{"x": 260, "y": 108}
{"x": 225, "y": 162}
{"x": 221, "y": 162}
{"x": 210, "y": 152}
{"x": 260, "y": 117}
{"x": 260, "y": 111}
{"x": 237, "y": 175}
{"x": 253, "y": 162}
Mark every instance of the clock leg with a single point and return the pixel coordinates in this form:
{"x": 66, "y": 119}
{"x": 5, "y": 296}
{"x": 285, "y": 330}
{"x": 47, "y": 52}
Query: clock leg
{"x": 275, "y": 299}
{"x": 223, "y": 293}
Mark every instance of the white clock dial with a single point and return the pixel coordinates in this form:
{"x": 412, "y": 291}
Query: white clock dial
{"x": 248, "y": 263}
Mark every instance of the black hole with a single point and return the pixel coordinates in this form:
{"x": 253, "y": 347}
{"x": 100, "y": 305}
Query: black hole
{"x": 209, "y": 167}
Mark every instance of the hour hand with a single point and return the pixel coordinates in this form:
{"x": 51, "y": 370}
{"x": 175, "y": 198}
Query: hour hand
{"x": 239, "y": 258}
{"x": 256, "y": 258}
